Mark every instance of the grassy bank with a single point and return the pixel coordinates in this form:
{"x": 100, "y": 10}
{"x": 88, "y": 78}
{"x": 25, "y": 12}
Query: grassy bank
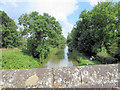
{"x": 82, "y": 59}
{"x": 15, "y": 59}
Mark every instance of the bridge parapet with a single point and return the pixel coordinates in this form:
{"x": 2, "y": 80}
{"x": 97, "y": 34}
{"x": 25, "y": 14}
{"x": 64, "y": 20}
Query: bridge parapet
{"x": 91, "y": 76}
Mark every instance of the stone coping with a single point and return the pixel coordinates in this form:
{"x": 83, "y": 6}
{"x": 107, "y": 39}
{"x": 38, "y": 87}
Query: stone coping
{"x": 91, "y": 76}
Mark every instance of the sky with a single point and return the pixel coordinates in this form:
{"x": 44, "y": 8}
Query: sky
{"x": 65, "y": 11}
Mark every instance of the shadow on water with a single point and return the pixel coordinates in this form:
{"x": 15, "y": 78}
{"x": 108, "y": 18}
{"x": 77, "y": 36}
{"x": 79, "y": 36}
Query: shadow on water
{"x": 58, "y": 58}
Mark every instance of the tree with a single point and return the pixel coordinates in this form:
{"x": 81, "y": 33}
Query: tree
{"x": 9, "y": 31}
{"x": 97, "y": 31}
{"x": 43, "y": 32}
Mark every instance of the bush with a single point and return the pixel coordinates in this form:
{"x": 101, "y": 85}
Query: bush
{"x": 9, "y": 46}
{"x": 108, "y": 60}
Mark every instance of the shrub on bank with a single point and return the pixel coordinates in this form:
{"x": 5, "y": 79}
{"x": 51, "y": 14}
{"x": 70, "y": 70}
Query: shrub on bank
{"x": 108, "y": 60}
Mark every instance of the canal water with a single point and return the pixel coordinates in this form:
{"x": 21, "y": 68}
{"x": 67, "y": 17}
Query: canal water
{"x": 58, "y": 58}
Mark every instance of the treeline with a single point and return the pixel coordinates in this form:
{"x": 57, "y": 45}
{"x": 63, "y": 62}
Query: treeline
{"x": 36, "y": 36}
{"x": 97, "y": 33}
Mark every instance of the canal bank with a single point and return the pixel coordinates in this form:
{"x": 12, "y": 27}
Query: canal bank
{"x": 64, "y": 58}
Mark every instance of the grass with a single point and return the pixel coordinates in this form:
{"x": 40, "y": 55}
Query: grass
{"x": 15, "y": 59}
{"x": 86, "y": 61}
{"x": 82, "y": 59}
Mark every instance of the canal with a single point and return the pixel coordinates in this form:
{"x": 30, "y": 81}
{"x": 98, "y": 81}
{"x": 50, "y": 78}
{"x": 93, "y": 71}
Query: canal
{"x": 59, "y": 58}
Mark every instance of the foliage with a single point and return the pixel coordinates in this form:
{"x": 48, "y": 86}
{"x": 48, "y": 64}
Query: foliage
{"x": 81, "y": 58}
{"x": 43, "y": 32}
{"x": 97, "y": 31}
{"x": 15, "y": 59}
{"x": 9, "y": 31}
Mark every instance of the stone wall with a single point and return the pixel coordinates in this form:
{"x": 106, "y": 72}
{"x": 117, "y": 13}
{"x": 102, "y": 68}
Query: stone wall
{"x": 91, "y": 76}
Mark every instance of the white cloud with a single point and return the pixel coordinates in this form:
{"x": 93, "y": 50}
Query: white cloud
{"x": 95, "y": 2}
{"x": 57, "y": 8}
{"x": 67, "y": 27}
{"x": 12, "y": 2}
{"x": 60, "y": 9}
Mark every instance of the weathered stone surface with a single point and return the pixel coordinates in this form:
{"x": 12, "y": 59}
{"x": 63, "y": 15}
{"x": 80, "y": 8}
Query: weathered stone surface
{"x": 67, "y": 77}
{"x": 16, "y": 78}
{"x": 99, "y": 74}
{"x": 118, "y": 75}
{"x": 45, "y": 78}
{"x": 91, "y": 76}
{"x": 1, "y": 82}
{"x": 32, "y": 80}
{"x": 20, "y": 78}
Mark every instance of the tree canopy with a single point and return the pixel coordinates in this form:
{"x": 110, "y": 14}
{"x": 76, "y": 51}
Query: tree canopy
{"x": 97, "y": 32}
{"x": 9, "y": 31}
{"x": 42, "y": 31}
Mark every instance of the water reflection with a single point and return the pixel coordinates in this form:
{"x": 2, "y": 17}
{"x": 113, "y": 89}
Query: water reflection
{"x": 59, "y": 59}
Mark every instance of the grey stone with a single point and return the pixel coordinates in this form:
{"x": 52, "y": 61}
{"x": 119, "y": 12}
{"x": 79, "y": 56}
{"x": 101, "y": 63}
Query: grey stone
{"x": 67, "y": 77}
{"x": 91, "y": 76}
